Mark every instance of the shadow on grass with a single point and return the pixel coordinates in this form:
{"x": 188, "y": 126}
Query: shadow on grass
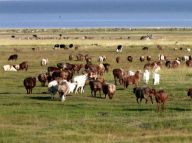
{"x": 179, "y": 109}
{"x": 40, "y": 97}
{"x": 138, "y": 109}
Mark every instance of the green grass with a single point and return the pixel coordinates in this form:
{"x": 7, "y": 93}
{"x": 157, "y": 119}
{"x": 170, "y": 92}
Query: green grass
{"x": 81, "y": 118}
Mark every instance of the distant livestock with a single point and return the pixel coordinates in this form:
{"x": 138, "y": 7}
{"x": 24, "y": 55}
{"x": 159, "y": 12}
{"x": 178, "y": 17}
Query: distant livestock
{"x": 59, "y": 46}
{"x": 189, "y": 92}
{"x": 142, "y": 59}
{"x": 147, "y": 37}
{"x": 119, "y": 48}
{"x": 13, "y": 57}
{"x": 101, "y": 59}
{"x": 29, "y": 84}
{"x": 189, "y": 63}
{"x": 117, "y": 59}
{"x": 145, "y": 48}
{"x": 130, "y": 58}
{"x": 44, "y": 62}
{"x": 9, "y": 68}
{"x": 23, "y": 65}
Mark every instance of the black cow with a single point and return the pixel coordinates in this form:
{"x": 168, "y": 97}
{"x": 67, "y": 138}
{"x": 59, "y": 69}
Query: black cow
{"x": 13, "y": 57}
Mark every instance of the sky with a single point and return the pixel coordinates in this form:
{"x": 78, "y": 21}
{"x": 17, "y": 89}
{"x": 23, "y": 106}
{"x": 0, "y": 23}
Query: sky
{"x": 70, "y": 6}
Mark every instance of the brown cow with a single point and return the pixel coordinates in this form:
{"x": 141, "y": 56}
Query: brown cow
{"x": 189, "y": 92}
{"x": 109, "y": 89}
{"x": 43, "y": 78}
{"x": 160, "y": 97}
{"x": 13, "y": 57}
{"x": 29, "y": 84}
{"x": 189, "y": 63}
{"x": 130, "y": 58}
{"x": 127, "y": 80}
{"x": 23, "y": 65}
{"x": 117, "y": 59}
{"x": 118, "y": 74}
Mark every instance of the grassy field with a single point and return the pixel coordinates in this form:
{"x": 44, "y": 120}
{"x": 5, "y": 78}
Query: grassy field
{"x": 82, "y": 118}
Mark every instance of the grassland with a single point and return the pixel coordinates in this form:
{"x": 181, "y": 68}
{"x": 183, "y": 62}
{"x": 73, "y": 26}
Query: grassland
{"x": 81, "y": 118}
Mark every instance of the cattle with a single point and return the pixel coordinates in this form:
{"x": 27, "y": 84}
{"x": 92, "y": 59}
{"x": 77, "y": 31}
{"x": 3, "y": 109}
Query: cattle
{"x": 95, "y": 86}
{"x": 56, "y": 46}
{"x": 160, "y": 97}
{"x": 148, "y": 58}
{"x": 61, "y": 65}
{"x": 23, "y": 65}
{"x": 109, "y": 89}
{"x": 44, "y": 62}
{"x": 9, "y": 68}
{"x": 59, "y": 46}
{"x": 142, "y": 59}
{"x": 185, "y": 58}
{"x": 88, "y": 59}
{"x": 29, "y": 84}
{"x": 78, "y": 67}
{"x": 147, "y": 37}
{"x": 52, "y": 69}
{"x": 66, "y": 74}
{"x": 118, "y": 74}
{"x": 80, "y": 57}
{"x": 130, "y": 58}
{"x": 119, "y": 48}
{"x": 70, "y": 45}
{"x": 142, "y": 93}
{"x": 43, "y": 78}
{"x": 101, "y": 59}
{"x": 159, "y": 47}
{"x": 128, "y": 80}
{"x": 13, "y": 57}
{"x": 161, "y": 57}
{"x": 172, "y": 64}
{"x": 62, "y": 46}
{"x": 189, "y": 92}
{"x": 70, "y": 57}
{"x": 106, "y": 66}
{"x": 189, "y": 63}
{"x": 117, "y": 59}
{"x": 145, "y": 48}
{"x": 188, "y": 50}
